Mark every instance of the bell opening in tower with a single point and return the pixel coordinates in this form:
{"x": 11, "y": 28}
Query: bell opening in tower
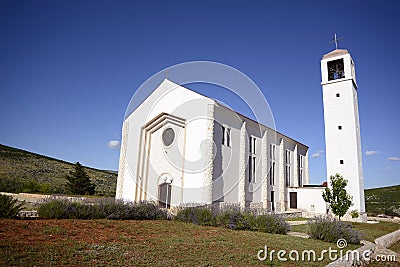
{"x": 335, "y": 69}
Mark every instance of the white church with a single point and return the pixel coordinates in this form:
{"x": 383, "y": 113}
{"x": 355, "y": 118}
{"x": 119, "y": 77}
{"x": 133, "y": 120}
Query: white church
{"x": 180, "y": 147}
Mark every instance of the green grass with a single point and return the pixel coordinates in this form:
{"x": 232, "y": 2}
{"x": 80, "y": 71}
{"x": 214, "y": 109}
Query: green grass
{"x": 373, "y": 231}
{"x": 395, "y": 247}
{"x": 370, "y": 231}
{"x": 302, "y": 228}
{"x": 54, "y": 230}
{"x": 140, "y": 243}
{"x": 23, "y": 171}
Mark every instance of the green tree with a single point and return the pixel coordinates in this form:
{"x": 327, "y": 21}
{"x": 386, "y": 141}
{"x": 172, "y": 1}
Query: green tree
{"x": 337, "y": 197}
{"x": 78, "y": 182}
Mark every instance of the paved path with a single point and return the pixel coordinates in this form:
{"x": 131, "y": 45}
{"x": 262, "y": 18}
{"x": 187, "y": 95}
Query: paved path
{"x": 297, "y": 222}
{"x": 299, "y": 234}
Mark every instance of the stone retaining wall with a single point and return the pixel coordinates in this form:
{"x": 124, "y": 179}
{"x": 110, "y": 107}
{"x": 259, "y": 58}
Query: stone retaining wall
{"x": 38, "y": 198}
{"x": 389, "y": 239}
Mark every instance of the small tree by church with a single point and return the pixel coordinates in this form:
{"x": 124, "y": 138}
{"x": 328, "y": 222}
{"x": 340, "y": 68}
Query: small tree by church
{"x": 78, "y": 182}
{"x": 337, "y": 197}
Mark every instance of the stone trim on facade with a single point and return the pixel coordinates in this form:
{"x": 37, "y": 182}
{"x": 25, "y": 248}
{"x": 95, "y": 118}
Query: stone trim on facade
{"x": 122, "y": 159}
{"x": 306, "y": 169}
{"x": 208, "y": 173}
{"x": 242, "y": 167}
{"x": 295, "y": 167}
{"x": 265, "y": 171}
{"x": 281, "y": 206}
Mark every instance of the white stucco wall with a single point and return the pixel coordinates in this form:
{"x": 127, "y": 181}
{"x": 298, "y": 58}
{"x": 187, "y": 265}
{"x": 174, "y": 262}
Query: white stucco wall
{"x": 309, "y": 199}
{"x": 197, "y": 122}
{"x": 191, "y": 107}
{"x": 228, "y": 161}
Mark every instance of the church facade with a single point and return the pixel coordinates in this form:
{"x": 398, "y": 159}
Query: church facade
{"x": 180, "y": 147}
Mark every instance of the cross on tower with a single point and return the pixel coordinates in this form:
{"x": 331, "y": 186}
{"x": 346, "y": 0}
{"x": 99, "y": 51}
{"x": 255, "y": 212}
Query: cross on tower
{"x": 335, "y": 40}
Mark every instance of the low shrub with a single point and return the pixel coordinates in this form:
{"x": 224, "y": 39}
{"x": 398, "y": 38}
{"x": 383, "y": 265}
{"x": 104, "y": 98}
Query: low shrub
{"x": 108, "y": 209}
{"x": 233, "y": 217}
{"x": 30, "y": 186}
{"x": 119, "y": 210}
{"x": 197, "y": 215}
{"x": 9, "y": 207}
{"x": 270, "y": 223}
{"x": 54, "y": 209}
{"x": 149, "y": 211}
{"x": 354, "y": 214}
{"x": 330, "y": 230}
{"x": 10, "y": 185}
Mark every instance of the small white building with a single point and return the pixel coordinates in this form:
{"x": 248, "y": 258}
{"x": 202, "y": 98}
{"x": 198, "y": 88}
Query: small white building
{"x": 181, "y": 147}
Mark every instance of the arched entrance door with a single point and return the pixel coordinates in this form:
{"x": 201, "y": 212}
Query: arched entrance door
{"x": 165, "y": 191}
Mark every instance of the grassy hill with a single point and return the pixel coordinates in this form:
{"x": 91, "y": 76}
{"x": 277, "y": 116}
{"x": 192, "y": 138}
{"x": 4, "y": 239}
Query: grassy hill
{"x": 384, "y": 200}
{"x": 23, "y": 171}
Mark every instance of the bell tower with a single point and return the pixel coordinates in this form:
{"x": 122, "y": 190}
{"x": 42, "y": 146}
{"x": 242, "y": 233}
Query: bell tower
{"x": 342, "y": 125}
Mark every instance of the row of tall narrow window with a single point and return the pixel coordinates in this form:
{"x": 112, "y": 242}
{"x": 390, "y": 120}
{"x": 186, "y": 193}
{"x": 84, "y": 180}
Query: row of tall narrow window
{"x": 272, "y": 168}
{"x": 226, "y": 140}
{"x": 288, "y": 172}
{"x": 301, "y": 170}
{"x": 252, "y": 159}
{"x": 226, "y": 136}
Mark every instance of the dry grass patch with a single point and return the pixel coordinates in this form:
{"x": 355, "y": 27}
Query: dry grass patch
{"x": 138, "y": 243}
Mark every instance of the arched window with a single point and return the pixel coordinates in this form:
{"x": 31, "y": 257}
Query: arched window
{"x": 164, "y": 195}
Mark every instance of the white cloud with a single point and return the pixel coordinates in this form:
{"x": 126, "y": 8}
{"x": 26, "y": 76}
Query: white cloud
{"x": 371, "y": 152}
{"x": 114, "y": 144}
{"x": 394, "y": 158}
{"x": 318, "y": 154}
{"x": 387, "y": 168}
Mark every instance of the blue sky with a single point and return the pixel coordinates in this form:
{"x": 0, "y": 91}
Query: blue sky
{"x": 69, "y": 68}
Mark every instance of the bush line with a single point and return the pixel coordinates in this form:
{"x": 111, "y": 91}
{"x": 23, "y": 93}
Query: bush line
{"x": 232, "y": 217}
{"x": 106, "y": 209}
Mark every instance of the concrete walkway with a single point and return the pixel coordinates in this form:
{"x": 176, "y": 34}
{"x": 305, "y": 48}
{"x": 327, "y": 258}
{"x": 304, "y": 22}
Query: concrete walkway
{"x": 296, "y": 222}
{"x": 298, "y": 234}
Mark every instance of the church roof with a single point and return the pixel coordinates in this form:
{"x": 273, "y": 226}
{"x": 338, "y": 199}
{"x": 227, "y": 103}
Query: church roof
{"x": 335, "y": 53}
{"x": 149, "y": 89}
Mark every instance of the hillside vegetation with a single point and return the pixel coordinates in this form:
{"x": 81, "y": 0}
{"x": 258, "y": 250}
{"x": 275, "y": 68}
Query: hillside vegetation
{"x": 23, "y": 171}
{"x": 384, "y": 200}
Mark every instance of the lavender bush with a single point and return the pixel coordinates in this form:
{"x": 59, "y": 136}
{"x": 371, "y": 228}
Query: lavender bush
{"x": 330, "y": 230}
{"x": 55, "y": 209}
{"x": 198, "y": 215}
{"x": 145, "y": 211}
{"x": 107, "y": 209}
{"x": 270, "y": 223}
{"x": 233, "y": 217}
